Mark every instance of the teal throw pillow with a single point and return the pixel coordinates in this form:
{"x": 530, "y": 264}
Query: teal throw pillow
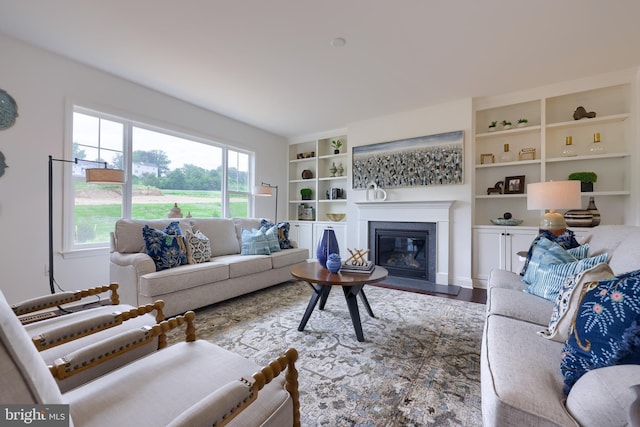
{"x": 550, "y": 277}
{"x": 272, "y": 238}
{"x": 254, "y": 242}
{"x": 605, "y": 331}
{"x": 546, "y": 252}
{"x": 283, "y": 233}
{"x": 166, "y": 247}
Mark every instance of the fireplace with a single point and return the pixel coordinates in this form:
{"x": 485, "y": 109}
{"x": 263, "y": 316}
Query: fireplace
{"x": 405, "y": 249}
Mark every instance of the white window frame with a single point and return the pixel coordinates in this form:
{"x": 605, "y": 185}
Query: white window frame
{"x": 69, "y": 247}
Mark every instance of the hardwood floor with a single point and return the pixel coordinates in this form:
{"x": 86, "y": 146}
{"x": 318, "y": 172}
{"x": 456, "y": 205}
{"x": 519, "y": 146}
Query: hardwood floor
{"x": 470, "y": 295}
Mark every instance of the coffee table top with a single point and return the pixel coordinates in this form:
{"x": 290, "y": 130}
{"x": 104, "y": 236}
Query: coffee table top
{"x": 313, "y": 272}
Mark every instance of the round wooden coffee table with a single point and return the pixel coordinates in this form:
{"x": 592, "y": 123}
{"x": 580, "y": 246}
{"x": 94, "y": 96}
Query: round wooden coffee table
{"x": 321, "y": 281}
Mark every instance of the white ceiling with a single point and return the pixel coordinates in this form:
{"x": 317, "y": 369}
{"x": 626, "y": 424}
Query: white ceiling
{"x": 270, "y": 63}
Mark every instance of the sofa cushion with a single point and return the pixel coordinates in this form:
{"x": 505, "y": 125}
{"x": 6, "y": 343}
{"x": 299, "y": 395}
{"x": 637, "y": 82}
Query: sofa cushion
{"x": 289, "y": 257}
{"x": 254, "y": 242}
{"x": 166, "y": 247}
{"x": 186, "y": 277}
{"x": 568, "y": 300}
{"x": 499, "y": 278}
{"x": 625, "y": 257}
{"x": 605, "y": 328}
{"x": 221, "y": 232}
{"x": 551, "y": 276}
{"x": 242, "y": 265}
{"x": 198, "y": 247}
{"x": 519, "y": 305}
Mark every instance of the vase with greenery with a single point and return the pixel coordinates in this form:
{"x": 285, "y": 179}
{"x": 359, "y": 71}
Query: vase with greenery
{"x": 586, "y": 180}
{"x": 306, "y": 193}
{"x": 506, "y": 124}
{"x": 522, "y": 122}
{"x": 336, "y": 144}
{"x": 493, "y": 125}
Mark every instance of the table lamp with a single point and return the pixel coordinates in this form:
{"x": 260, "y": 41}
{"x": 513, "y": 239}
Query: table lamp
{"x": 550, "y": 196}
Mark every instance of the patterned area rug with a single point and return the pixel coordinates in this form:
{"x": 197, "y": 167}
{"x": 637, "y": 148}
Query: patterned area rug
{"x": 418, "y": 366}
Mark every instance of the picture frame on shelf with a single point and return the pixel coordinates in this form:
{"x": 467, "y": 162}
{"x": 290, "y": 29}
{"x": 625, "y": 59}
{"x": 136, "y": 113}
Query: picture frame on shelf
{"x": 527, "y": 154}
{"x": 514, "y": 184}
{"x": 487, "y": 159}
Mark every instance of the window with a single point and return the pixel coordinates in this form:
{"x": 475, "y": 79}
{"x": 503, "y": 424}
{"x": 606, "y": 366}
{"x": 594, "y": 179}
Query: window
{"x": 205, "y": 179}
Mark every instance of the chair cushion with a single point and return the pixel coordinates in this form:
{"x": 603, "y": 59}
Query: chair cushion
{"x": 159, "y": 387}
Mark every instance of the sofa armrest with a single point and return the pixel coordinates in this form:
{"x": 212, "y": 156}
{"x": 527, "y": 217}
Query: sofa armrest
{"x": 116, "y": 345}
{"x": 142, "y": 263}
{"x": 69, "y": 332}
{"x": 49, "y": 301}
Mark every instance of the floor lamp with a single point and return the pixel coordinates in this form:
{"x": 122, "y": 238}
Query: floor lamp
{"x": 92, "y": 175}
{"x": 265, "y": 189}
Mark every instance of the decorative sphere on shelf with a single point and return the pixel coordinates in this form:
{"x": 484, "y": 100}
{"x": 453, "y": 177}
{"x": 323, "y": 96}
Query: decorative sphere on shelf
{"x": 507, "y": 215}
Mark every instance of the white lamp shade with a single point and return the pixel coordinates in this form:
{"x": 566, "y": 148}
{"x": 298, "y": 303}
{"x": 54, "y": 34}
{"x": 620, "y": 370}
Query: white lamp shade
{"x": 554, "y": 195}
{"x": 104, "y": 176}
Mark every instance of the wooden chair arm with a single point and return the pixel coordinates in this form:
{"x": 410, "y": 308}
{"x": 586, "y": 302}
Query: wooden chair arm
{"x": 100, "y": 352}
{"x": 54, "y": 300}
{"x": 224, "y": 404}
{"x": 100, "y": 322}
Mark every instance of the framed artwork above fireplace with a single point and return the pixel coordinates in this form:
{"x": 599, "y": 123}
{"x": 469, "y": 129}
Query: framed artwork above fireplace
{"x": 425, "y": 160}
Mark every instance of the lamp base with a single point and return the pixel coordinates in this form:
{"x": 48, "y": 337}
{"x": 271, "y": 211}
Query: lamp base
{"x": 553, "y": 222}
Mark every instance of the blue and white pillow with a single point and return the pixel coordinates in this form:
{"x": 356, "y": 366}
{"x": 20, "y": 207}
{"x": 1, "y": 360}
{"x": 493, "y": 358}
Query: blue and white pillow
{"x": 550, "y": 277}
{"x": 283, "y": 233}
{"x": 605, "y": 331}
{"x": 166, "y": 247}
{"x": 254, "y": 242}
{"x": 272, "y": 238}
{"x": 549, "y": 252}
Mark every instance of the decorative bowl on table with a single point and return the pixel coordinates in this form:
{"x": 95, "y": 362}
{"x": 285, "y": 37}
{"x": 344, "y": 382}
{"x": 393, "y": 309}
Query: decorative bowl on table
{"x": 504, "y": 221}
{"x": 336, "y": 216}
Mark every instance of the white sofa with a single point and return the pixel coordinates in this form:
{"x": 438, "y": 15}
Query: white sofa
{"x": 227, "y": 275}
{"x": 521, "y": 380}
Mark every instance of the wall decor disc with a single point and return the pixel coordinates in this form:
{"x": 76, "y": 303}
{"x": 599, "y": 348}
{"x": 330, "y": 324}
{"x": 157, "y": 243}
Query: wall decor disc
{"x": 8, "y": 110}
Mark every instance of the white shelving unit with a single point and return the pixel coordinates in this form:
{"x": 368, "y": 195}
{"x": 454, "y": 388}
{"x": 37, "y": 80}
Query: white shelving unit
{"x": 318, "y": 156}
{"x": 550, "y": 122}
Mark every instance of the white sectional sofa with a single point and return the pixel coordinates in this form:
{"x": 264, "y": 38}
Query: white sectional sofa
{"x": 521, "y": 379}
{"x": 186, "y": 287}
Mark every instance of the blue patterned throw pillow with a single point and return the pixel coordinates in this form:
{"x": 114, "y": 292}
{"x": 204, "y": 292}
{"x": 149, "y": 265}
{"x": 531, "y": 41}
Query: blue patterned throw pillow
{"x": 605, "y": 330}
{"x": 272, "y": 238}
{"x": 550, "y": 277}
{"x": 549, "y": 252}
{"x": 283, "y": 233}
{"x": 254, "y": 242}
{"x": 566, "y": 240}
{"x": 166, "y": 247}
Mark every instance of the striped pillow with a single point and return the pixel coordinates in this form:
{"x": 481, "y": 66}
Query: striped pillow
{"x": 548, "y": 252}
{"x": 552, "y": 276}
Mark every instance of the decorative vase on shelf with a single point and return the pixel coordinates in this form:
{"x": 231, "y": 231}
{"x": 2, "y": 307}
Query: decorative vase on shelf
{"x": 333, "y": 169}
{"x": 596, "y": 146}
{"x": 328, "y": 245}
{"x": 334, "y": 263}
{"x": 506, "y": 155}
{"x": 569, "y": 150}
{"x": 594, "y": 211}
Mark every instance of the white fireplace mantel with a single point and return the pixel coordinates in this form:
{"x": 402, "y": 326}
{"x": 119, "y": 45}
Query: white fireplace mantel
{"x": 411, "y": 211}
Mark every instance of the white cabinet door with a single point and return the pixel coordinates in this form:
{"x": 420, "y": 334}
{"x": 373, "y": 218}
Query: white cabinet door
{"x": 498, "y": 248}
{"x": 302, "y": 234}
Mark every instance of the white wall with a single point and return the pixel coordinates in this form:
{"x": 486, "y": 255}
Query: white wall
{"x": 442, "y": 118}
{"x": 41, "y": 83}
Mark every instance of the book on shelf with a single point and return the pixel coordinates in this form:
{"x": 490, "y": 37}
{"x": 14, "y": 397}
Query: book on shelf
{"x": 354, "y": 268}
